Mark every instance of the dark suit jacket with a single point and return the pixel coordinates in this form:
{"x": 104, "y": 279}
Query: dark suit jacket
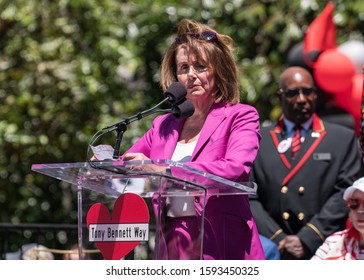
{"x": 304, "y": 196}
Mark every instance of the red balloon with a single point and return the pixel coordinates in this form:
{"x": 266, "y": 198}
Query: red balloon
{"x": 351, "y": 100}
{"x": 333, "y": 71}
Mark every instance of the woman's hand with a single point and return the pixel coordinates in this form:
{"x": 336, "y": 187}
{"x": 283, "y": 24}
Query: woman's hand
{"x": 135, "y": 156}
{"x": 144, "y": 167}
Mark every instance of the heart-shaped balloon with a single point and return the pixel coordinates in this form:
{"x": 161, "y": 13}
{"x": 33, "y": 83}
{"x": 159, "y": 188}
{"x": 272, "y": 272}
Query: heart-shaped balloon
{"x": 127, "y": 227}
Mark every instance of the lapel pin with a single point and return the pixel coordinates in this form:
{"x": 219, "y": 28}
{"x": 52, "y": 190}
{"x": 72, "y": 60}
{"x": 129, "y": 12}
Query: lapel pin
{"x": 284, "y": 145}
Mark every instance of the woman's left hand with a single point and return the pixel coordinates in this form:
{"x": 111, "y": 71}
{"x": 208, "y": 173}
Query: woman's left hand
{"x": 145, "y": 167}
{"x": 135, "y": 156}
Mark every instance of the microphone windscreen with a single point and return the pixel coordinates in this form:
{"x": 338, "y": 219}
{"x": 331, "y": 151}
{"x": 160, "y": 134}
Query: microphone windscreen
{"x": 176, "y": 92}
{"x": 183, "y": 110}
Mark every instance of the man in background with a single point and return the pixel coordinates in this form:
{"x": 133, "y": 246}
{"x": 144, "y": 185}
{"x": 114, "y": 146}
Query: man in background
{"x": 303, "y": 167}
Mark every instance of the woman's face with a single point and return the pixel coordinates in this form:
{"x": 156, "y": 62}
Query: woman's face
{"x": 198, "y": 78}
{"x": 357, "y": 215}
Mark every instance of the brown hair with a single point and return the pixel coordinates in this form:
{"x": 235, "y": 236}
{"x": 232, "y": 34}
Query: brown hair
{"x": 218, "y": 55}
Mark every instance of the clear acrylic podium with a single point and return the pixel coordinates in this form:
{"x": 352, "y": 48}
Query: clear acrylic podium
{"x": 102, "y": 182}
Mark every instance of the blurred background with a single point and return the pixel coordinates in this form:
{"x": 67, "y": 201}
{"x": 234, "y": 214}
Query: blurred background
{"x": 71, "y": 67}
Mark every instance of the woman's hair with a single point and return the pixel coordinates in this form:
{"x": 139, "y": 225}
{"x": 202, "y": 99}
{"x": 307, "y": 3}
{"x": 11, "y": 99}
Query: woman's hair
{"x": 212, "y": 49}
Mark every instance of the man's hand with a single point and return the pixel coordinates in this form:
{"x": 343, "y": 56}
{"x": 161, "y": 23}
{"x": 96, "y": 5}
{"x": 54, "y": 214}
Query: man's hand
{"x": 292, "y": 245}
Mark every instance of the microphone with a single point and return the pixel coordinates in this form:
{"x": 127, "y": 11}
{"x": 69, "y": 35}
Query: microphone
{"x": 183, "y": 110}
{"x": 176, "y": 92}
{"x": 175, "y": 95}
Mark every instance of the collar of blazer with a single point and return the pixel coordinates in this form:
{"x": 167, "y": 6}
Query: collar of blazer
{"x": 317, "y": 126}
{"x": 214, "y": 119}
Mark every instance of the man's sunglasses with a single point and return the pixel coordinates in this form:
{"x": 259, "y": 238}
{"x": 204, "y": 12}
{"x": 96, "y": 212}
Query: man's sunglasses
{"x": 207, "y": 36}
{"x": 353, "y": 204}
{"x": 293, "y": 92}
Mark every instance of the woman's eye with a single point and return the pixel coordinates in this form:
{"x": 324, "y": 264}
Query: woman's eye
{"x": 184, "y": 68}
{"x": 200, "y": 68}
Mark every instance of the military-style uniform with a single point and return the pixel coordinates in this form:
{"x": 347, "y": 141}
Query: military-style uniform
{"x": 303, "y": 196}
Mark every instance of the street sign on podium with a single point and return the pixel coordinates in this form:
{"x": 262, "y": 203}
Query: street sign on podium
{"x": 122, "y": 206}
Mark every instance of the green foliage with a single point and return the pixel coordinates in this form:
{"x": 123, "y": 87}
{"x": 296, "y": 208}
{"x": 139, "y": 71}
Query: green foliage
{"x": 69, "y": 68}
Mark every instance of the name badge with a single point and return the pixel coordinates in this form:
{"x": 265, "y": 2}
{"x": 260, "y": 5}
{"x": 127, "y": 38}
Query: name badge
{"x": 321, "y": 156}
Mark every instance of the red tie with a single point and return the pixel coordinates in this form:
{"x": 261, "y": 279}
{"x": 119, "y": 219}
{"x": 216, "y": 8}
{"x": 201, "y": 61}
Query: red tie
{"x": 296, "y": 141}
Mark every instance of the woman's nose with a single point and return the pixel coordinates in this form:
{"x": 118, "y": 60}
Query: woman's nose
{"x": 191, "y": 72}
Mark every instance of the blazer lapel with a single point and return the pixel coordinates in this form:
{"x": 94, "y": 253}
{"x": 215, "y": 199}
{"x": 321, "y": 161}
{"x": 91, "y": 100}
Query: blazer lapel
{"x": 170, "y": 145}
{"x": 213, "y": 121}
{"x": 278, "y": 134}
{"x": 313, "y": 138}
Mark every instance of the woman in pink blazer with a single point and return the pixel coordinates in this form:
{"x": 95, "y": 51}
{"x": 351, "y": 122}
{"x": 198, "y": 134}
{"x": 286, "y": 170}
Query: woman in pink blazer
{"x": 221, "y": 137}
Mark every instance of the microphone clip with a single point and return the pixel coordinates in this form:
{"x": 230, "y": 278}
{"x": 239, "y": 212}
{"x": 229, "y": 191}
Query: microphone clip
{"x": 120, "y": 129}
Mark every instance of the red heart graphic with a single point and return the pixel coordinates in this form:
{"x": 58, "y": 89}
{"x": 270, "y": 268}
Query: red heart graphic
{"x": 129, "y": 208}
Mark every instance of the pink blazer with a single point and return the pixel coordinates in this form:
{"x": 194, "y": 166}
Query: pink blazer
{"x": 227, "y": 147}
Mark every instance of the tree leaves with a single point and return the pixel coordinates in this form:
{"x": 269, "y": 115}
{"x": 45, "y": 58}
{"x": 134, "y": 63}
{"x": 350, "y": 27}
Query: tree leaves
{"x": 68, "y": 68}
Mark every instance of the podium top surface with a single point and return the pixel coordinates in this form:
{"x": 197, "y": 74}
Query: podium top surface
{"x": 117, "y": 177}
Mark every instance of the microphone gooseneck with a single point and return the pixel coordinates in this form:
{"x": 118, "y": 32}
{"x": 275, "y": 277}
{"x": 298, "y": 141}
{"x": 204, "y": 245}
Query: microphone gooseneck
{"x": 174, "y": 95}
